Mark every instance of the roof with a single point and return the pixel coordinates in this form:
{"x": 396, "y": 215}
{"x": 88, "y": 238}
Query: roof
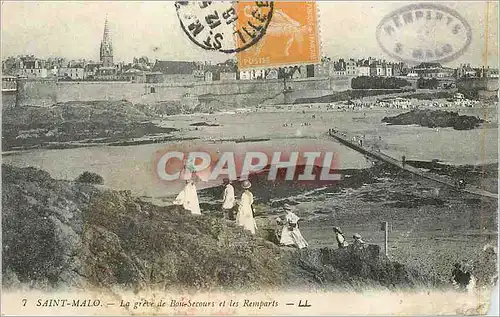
{"x": 132, "y": 71}
{"x": 224, "y": 68}
{"x": 174, "y": 67}
{"x": 76, "y": 65}
{"x": 93, "y": 66}
{"x": 221, "y": 68}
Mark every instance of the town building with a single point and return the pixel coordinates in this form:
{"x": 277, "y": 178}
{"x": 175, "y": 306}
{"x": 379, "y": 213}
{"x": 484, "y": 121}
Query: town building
{"x": 272, "y": 73}
{"x": 228, "y": 70}
{"x": 490, "y": 72}
{"x": 324, "y": 69}
{"x": 377, "y": 69}
{"x": 252, "y": 74}
{"x": 71, "y": 73}
{"x": 363, "y": 67}
{"x": 433, "y": 70}
{"x": 465, "y": 70}
{"x": 387, "y": 69}
{"x": 9, "y": 83}
{"x": 179, "y": 71}
{"x": 339, "y": 68}
{"x": 487, "y": 72}
{"x": 154, "y": 77}
{"x": 31, "y": 68}
{"x": 209, "y": 75}
{"x": 90, "y": 70}
{"x": 350, "y": 67}
{"x": 363, "y": 71}
{"x": 229, "y": 75}
{"x": 134, "y": 75}
{"x": 412, "y": 73}
{"x": 400, "y": 69}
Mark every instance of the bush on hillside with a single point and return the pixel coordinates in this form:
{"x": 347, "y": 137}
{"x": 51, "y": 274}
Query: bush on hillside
{"x": 90, "y": 178}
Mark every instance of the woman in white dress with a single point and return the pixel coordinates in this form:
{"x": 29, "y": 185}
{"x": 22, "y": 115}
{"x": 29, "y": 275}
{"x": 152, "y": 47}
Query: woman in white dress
{"x": 244, "y": 217}
{"x": 188, "y": 198}
{"x": 290, "y": 235}
{"x": 339, "y": 236}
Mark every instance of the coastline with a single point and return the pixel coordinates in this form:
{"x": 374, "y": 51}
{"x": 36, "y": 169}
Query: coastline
{"x": 153, "y": 128}
{"x": 357, "y": 204}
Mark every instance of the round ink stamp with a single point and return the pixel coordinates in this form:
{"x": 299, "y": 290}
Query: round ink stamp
{"x": 424, "y": 32}
{"x": 224, "y": 26}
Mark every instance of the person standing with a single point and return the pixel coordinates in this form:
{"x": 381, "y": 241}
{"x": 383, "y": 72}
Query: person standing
{"x": 290, "y": 235}
{"x": 228, "y": 200}
{"x": 339, "y": 236}
{"x": 188, "y": 198}
{"x": 244, "y": 217}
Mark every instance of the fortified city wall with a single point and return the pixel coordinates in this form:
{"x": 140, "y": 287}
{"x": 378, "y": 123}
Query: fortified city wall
{"x": 486, "y": 87}
{"x": 36, "y": 92}
{"x": 489, "y": 84}
{"x": 45, "y": 92}
{"x": 8, "y": 99}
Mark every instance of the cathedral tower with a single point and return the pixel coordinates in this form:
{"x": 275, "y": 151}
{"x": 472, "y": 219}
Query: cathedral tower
{"x": 106, "y": 47}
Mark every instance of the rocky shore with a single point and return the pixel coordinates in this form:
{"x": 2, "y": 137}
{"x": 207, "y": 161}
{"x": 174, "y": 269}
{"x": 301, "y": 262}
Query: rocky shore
{"x": 76, "y": 235}
{"x": 79, "y": 124}
{"x": 435, "y": 119}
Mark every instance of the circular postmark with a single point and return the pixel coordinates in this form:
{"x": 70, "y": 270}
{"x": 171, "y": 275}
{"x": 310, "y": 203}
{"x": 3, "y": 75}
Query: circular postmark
{"x": 424, "y": 32}
{"x": 224, "y": 26}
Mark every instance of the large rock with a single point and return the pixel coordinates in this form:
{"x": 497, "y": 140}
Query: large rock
{"x": 434, "y": 119}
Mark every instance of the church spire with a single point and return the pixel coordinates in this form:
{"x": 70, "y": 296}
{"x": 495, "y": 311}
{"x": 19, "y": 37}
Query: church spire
{"x": 105, "y": 37}
{"x": 106, "y": 46}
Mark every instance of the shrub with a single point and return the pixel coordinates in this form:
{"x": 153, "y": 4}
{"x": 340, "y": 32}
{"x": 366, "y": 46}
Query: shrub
{"x": 432, "y": 83}
{"x": 90, "y": 178}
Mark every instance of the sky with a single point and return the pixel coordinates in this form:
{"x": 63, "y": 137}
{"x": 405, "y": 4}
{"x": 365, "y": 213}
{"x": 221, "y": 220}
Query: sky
{"x": 151, "y": 28}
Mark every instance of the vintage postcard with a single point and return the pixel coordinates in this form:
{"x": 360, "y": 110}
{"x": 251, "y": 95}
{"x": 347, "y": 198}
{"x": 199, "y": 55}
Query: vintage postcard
{"x": 249, "y": 158}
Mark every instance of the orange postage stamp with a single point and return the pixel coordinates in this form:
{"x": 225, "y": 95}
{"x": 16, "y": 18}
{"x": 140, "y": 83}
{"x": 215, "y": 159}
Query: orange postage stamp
{"x": 292, "y": 36}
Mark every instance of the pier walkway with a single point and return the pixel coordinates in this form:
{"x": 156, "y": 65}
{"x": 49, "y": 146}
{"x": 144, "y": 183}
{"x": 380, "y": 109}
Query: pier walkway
{"x": 378, "y": 155}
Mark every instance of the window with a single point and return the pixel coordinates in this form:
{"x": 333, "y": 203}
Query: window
{"x": 153, "y": 90}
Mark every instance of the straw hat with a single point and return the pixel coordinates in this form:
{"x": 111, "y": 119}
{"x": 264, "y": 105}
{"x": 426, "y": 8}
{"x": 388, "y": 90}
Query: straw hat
{"x": 357, "y": 236}
{"x": 226, "y": 181}
{"x": 337, "y": 229}
{"x": 246, "y": 184}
